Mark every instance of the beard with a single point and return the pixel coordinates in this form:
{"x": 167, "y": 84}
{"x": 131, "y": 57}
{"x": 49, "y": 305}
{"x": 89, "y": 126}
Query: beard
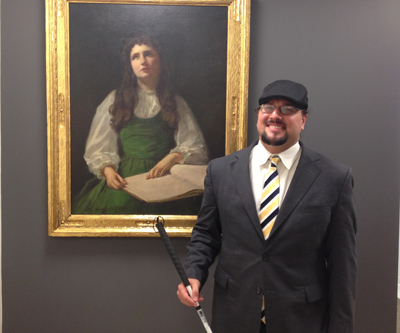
{"x": 273, "y": 141}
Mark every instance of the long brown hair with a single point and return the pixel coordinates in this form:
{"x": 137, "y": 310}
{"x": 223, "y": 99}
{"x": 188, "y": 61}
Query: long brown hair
{"x": 126, "y": 96}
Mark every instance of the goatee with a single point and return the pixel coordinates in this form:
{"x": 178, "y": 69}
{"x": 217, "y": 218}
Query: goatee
{"x": 273, "y": 141}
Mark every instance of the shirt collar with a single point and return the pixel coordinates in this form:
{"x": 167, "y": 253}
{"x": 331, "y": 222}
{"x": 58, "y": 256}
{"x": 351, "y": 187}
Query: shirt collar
{"x": 287, "y": 157}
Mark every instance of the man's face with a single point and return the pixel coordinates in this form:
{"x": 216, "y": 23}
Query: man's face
{"x": 277, "y": 131}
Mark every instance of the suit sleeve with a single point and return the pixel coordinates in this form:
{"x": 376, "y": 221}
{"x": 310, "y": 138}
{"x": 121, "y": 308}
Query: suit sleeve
{"x": 205, "y": 242}
{"x": 341, "y": 260}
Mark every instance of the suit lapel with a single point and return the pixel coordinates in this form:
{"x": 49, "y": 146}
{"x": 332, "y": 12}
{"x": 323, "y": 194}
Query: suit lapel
{"x": 241, "y": 176}
{"x": 304, "y": 177}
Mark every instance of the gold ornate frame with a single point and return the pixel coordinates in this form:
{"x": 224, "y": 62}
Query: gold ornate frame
{"x": 61, "y": 222}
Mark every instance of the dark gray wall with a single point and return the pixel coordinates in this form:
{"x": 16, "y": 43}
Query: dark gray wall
{"x": 345, "y": 52}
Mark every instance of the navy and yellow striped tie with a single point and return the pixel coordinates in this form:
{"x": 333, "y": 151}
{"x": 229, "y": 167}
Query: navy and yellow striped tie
{"x": 270, "y": 198}
{"x": 269, "y": 206}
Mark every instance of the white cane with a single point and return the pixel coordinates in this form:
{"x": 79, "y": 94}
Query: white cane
{"x": 179, "y": 268}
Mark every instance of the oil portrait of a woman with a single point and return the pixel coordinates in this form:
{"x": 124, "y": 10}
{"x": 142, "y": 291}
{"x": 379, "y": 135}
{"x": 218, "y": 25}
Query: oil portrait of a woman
{"x": 141, "y": 127}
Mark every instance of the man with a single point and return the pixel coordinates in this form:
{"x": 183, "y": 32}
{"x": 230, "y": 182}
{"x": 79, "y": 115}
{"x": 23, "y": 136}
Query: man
{"x": 287, "y": 255}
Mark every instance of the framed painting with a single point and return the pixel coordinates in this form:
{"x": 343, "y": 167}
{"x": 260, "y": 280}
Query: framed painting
{"x": 140, "y": 96}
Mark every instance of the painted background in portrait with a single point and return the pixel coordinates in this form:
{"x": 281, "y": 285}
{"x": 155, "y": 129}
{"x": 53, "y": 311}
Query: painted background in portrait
{"x": 195, "y": 45}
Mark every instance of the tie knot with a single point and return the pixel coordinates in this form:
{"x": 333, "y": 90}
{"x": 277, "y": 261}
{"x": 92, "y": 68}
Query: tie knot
{"x": 275, "y": 159}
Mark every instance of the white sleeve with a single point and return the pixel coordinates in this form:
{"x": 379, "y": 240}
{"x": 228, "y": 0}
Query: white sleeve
{"x": 189, "y": 139}
{"x": 101, "y": 145}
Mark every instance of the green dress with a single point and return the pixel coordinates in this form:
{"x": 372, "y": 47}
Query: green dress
{"x": 144, "y": 143}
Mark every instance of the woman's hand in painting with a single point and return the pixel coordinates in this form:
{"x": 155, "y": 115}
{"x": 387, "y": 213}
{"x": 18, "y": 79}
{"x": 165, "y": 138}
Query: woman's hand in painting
{"x": 114, "y": 180}
{"x": 165, "y": 165}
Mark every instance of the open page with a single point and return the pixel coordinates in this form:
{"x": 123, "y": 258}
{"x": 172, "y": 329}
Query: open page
{"x": 183, "y": 181}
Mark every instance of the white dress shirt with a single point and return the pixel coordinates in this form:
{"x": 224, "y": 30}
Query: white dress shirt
{"x": 260, "y": 164}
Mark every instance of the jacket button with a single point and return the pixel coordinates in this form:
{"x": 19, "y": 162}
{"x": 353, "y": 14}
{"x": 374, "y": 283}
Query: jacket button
{"x": 259, "y": 290}
{"x": 265, "y": 257}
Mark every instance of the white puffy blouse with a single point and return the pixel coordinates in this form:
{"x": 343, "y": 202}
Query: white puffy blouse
{"x": 102, "y": 142}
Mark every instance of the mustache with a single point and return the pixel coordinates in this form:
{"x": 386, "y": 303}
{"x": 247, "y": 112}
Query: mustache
{"x": 276, "y": 122}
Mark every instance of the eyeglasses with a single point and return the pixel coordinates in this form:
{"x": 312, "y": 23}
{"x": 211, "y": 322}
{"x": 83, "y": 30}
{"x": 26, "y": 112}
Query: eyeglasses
{"x": 286, "y": 110}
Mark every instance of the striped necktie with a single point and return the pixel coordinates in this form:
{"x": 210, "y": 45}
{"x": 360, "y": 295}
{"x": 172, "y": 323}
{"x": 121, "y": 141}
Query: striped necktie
{"x": 270, "y": 198}
{"x": 269, "y": 206}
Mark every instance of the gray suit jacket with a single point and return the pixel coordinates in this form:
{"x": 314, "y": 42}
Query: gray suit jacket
{"x": 306, "y": 270}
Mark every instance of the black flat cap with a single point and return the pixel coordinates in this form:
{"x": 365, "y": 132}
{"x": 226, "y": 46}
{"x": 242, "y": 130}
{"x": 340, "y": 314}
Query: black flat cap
{"x": 289, "y": 90}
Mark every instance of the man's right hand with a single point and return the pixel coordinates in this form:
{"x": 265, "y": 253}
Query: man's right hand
{"x": 183, "y": 294}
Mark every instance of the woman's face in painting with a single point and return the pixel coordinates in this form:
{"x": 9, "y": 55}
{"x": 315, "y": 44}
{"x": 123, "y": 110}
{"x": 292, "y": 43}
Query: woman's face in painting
{"x": 145, "y": 63}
